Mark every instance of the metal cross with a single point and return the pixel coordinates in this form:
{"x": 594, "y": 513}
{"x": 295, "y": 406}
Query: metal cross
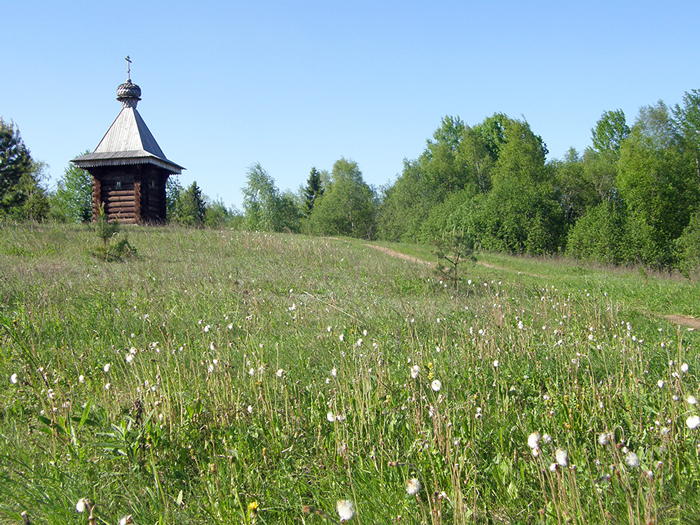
{"x": 128, "y": 68}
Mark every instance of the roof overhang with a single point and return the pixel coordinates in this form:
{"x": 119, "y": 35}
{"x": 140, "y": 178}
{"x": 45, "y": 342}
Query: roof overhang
{"x": 125, "y": 158}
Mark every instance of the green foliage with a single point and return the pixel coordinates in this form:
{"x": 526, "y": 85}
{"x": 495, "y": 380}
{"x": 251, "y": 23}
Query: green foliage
{"x": 218, "y": 215}
{"x": 348, "y": 206}
{"x": 453, "y": 249}
{"x": 313, "y": 191}
{"x": 600, "y": 235}
{"x": 659, "y": 188}
{"x": 688, "y": 247}
{"x": 190, "y": 209}
{"x": 173, "y": 191}
{"x": 21, "y": 195}
{"x": 264, "y": 207}
{"x": 521, "y": 213}
{"x": 72, "y": 200}
{"x": 112, "y": 248}
{"x": 610, "y": 132}
{"x": 15, "y": 162}
{"x": 405, "y": 205}
{"x": 458, "y": 159}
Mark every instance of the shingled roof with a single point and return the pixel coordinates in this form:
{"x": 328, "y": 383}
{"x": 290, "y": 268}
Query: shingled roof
{"x": 128, "y": 140}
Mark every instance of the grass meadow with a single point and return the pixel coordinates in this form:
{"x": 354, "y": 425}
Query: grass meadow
{"x": 231, "y": 377}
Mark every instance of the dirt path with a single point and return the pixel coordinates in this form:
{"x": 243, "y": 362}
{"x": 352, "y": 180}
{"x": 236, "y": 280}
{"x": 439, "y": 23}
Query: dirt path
{"x": 399, "y": 255}
{"x": 683, "y": 320}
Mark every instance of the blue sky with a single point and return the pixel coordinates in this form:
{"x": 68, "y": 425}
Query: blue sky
{"x": 293, "y": 85}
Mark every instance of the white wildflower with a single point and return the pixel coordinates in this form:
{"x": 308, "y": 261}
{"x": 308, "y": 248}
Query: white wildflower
{"x": 107, "y": 367}
{"x": 546, "y": 439}
{"x": 413, "y": 486}
{"x": 129, "y": 358}
{"x": 13, "y": 379}
{"x": 684, "y": 367}
{"x": 562, "y": 457}
{"x": 660, "y": 383}
{"x": 415, "y": 371}
{"x": 334, "y": 372}
{"x": 82, "y": 504}
{"x": 692, "y": 400}
{"x": 280, "y": 372}
{"x": 436, "y": 385}
{"x": 632, "y": 460}
{"x": 533, "y": 440}
{"x": 330, "y": 417}
{"x": 693, "y": 422}
{"x": 81, "y": 378}
{"x": 346, "y": 509}
{"x": 603, "y": 439}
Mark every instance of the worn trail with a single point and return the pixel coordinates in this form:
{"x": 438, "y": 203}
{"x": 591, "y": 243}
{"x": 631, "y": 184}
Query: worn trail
{"x": 679, "y": 319}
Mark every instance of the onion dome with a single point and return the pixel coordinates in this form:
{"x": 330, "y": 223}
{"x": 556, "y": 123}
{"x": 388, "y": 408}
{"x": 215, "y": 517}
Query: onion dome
{"x": 128, "y": 94}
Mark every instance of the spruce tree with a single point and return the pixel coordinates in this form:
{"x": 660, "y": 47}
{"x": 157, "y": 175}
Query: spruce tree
{"x": 15, "y": 165}
{"x": 313, "y": 190}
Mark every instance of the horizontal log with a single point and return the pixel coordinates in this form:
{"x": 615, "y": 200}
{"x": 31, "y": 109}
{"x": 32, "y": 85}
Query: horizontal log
{"x": 120, "y": 204}
{"x": 120, "y": 198}
{"x": 121, "y": 210}
{"x": 124, "y": 192}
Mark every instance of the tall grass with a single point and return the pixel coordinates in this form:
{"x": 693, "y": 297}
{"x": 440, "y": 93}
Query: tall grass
{"x": 234, "y": 377}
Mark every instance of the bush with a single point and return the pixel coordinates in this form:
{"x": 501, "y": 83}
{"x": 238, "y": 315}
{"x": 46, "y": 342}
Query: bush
{"x": 687, "y": 247}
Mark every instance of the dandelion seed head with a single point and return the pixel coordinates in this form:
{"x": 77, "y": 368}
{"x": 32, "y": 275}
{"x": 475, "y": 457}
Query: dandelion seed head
{"x": 415, "y": 371}
{"x": 413, "y": 486}
{"x": 632, "y": 460}
{"x": 603, "y": 439}
{"x": 693, "y": 422}
{"x": 684, "y": 367}
{"x": 562, "y": 457}
{"x": 533, "y": 440}
{"x": 13, "y": 379}
{"x": 107, "y": 367}
{"x": 280, "y": 372}
{"x": 81, "y": 505}
{"x": 436, "y": 385}
{"x": 346, "y": 509}
{"x": 546, "y": 439}
{"x": 692, "y": 400}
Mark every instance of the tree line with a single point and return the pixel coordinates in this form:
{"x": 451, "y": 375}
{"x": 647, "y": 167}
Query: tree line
{"x": 631, "y": 197}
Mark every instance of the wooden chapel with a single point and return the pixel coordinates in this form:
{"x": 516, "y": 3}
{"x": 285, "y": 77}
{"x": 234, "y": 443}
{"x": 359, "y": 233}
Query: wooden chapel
{"x": 129, "y": 170}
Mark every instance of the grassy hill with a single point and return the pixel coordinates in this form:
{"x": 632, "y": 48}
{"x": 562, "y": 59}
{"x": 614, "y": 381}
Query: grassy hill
{"x": 234, "y": 377}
